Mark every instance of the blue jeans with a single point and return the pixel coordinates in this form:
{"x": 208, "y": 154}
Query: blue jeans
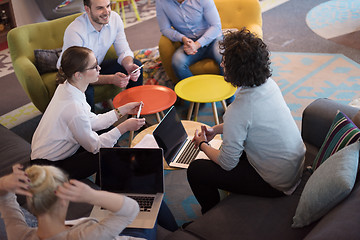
{"x": 181, "y": 61}
{"x": 165, "y": 219}
{"x": 108, "y": 67}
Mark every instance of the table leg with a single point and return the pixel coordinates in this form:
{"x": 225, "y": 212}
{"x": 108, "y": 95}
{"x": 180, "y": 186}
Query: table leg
{"x": 162, "y": 115}
{"x": 131, "y": 136}
{"x": 215, "y": 113}
{"x": 158, "y": 117}
{"x": 190, "y": 110}
{"x": 224, "y": 105}
{"x": 196, "y": 111}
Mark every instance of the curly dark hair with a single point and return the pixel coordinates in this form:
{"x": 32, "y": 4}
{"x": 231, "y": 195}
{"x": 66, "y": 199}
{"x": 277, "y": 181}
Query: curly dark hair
{"x": 245, "y": 58}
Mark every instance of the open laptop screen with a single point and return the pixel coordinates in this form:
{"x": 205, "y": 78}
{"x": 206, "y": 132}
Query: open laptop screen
{"x": 170, "y": 134}
{"x": 131, "y": 170}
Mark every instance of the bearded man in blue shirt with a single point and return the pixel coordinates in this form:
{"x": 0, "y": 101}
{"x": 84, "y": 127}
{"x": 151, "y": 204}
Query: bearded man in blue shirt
{"x": 97, "y": 29}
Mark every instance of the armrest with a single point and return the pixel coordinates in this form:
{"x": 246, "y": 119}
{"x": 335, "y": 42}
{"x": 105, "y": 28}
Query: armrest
{"x": 317, "y": 119}
{"x": 32, "y": 83}
{"x": 166, "y": 50}
{"x": 256, "y": 29}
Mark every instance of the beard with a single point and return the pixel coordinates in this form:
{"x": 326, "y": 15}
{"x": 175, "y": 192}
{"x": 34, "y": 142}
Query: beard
{"x": 100, "y": 19}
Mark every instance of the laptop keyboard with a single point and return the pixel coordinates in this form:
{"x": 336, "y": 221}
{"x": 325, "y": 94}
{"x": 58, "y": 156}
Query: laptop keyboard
{"x": 145, "y": 202}
{"x": 189, "y": 153}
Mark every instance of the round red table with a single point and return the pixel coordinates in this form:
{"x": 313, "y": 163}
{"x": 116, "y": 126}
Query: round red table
{"x": 156, "y": 98}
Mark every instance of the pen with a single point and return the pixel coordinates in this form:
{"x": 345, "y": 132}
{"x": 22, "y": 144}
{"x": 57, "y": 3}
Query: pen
{"x": 137, "y": 69}
{"x": 138, "y": 113}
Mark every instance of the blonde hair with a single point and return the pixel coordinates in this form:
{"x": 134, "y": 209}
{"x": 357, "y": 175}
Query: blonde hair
{"x": 44, "y": 180}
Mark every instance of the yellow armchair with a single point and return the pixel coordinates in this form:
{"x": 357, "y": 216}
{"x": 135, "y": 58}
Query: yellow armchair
{"x": 233, "y": 14}
{"x": 24, "y": 40}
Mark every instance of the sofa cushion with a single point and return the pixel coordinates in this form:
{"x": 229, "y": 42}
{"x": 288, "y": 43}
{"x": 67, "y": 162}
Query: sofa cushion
{"x": 46, "y": 59}
{"x": 342, "y": 132}
{"x": 13, "y": 149}
{"x": 249, "y": 217}
{"x": 328, "y": 185}
{"x": 342, "y": 221}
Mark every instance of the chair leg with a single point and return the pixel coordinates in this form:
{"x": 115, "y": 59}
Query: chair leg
{"x": 216, "y": 118}
{"x": 190, "y": 110}
{"x": 135, "y": 10}
{"x": 123, "y": 12}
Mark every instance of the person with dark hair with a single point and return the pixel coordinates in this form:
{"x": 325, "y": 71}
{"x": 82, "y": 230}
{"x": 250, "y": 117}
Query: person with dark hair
{"x": 66, "y": 136}
{"x": 262, "y": 153}
{"x": 98, "y": 29}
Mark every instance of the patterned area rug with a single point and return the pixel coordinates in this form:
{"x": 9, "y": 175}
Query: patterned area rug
{"x": 338, "y": 21}
{"x": 304, "y": 77}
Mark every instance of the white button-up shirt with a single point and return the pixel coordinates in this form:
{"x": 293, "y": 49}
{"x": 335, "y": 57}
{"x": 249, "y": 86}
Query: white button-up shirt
{"x": 82, "y": 33}
{"x": 68, "y": 124}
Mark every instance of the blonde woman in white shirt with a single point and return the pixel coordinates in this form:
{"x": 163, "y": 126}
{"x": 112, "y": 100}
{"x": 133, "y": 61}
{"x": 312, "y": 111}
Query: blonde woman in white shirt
{"x": 67, "y": 133}
{"x": 48, "y": 193}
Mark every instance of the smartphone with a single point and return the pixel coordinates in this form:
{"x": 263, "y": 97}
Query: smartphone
{"x": 138, "y": 113}
{"x": 137, "y": 69}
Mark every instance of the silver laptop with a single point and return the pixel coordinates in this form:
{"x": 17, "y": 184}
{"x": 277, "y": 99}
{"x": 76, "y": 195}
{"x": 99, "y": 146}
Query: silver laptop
{"x": 179, "y": 150}
{"x": 137, "y": 173}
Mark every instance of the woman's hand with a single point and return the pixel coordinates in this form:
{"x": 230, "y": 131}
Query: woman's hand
{"x": 75, "y": 191}
{"x": 130, "y": 108}
{"x": 16, "y": 182}
{"x": 131, "y": 124}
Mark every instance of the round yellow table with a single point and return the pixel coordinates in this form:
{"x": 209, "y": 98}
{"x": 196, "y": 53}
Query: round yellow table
{"x": 204, "y": 88}
{"x": 190, "y": 127}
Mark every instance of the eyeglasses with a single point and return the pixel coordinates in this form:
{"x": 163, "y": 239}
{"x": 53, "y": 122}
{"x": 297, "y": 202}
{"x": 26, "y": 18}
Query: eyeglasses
{"x": 95, "y": 67}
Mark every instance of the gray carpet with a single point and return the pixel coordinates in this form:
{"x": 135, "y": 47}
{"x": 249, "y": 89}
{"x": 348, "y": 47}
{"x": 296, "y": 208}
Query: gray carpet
{"x": 285, "y": 30}
{"x": 12, "y": 95}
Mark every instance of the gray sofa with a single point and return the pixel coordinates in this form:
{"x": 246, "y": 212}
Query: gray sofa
{"x": 14, "y": 149}
{"x": 240, "y": 216}
{"x": 247, "y": 217}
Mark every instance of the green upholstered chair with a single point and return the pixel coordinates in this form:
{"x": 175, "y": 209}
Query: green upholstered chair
{"x": 234, "y": 14}
{"x": 24, "y": 40}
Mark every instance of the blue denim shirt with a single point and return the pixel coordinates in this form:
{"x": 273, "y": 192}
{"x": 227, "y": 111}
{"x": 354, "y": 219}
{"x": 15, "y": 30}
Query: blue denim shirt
{"x": 198, "y": 20}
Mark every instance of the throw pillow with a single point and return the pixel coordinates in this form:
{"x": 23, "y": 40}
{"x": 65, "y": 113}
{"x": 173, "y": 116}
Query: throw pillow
{"x": 46, "y": 59}
{"x": 328, "y": 185}
{"x": 342, "y": 132}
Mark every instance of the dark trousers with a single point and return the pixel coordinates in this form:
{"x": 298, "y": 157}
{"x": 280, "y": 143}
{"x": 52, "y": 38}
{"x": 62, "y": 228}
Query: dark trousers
{"x": 165, "y": 219}
{"x": 108, "y": 67}
{"x": 80, "y": 165}
{"x": 206, "y": 177}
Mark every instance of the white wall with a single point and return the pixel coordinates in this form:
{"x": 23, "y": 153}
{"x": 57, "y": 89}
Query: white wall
{"x": 26, "y": 12}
